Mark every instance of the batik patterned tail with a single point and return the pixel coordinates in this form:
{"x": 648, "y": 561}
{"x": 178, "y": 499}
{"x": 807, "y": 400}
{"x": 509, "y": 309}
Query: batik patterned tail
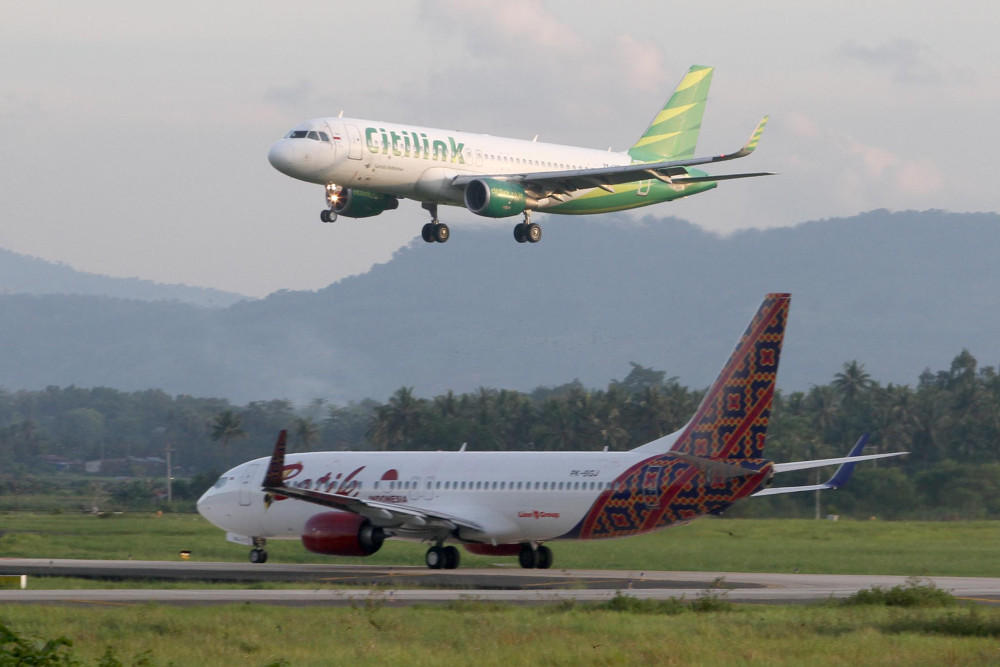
{"x": 731, "y": 421}
{"x": 728, "y": 428}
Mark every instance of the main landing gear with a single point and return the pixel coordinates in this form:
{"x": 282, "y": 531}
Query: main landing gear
{"x": 535, "y": 557}
{"x": 434, "y": 231}
{"x": 259, "y": 554}
{"x": 442, "y": 557}
{"x": 527, "y": 231}
{"x": 329, "y": 214}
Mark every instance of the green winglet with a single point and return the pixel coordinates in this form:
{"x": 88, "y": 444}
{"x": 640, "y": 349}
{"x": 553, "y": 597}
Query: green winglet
{"x": 755, "y": 137}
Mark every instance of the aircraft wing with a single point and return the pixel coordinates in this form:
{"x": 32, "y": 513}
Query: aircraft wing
{"x": 383, "y": 514}
{"x": 839, "y": 478}
{"x": 672, "y": 172}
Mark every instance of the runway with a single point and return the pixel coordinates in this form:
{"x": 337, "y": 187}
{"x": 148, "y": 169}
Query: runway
{"x": 348, "y": 584}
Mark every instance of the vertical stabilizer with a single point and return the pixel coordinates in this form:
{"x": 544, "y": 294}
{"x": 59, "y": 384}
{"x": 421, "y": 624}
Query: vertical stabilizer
{"x": 673, "y": 134}
{"x": 731, "y": 421}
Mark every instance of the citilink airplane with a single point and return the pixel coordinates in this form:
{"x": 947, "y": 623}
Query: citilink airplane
{"x": 367, "y": 166}
{"x": 512, "y": 503}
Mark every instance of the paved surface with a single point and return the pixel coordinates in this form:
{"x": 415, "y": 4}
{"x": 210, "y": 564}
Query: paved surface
{"x": 407, "y": 585}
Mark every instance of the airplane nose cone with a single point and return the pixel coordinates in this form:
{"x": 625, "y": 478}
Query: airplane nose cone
{"x": 203, "y": 504}
{"x": 284, "y": 157}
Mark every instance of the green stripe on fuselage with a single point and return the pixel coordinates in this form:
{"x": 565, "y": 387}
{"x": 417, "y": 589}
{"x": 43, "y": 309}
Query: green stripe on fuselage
{"x": 627, "y": 196}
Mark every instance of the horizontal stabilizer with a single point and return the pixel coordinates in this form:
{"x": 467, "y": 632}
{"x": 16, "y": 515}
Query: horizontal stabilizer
{"x": 819, "y": 463}
{"x": 839, "y": 478}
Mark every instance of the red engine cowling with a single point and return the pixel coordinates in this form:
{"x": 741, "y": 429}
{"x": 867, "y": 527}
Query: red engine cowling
{"x": 490, "y": 550}
{"x": 342, "y": 534}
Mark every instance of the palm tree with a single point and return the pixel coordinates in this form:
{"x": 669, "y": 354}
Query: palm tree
{"x": 306, "y": 430}
{"x": 613, "y": 405}
{"x": 852, "y": 382}
{"x": 226, "y": 427}
{"x": 398, "y": 421}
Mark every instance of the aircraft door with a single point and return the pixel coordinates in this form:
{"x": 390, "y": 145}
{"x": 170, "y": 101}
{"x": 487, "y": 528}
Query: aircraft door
{"x": 246, "y": 484}
{"x": 643, "y": 187}
{"x": 354, "y": 142}
{"x": 428, "y": 488}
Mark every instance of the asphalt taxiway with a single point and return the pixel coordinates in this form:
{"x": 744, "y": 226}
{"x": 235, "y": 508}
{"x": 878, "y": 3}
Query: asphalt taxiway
{"x": 347, "y": 584}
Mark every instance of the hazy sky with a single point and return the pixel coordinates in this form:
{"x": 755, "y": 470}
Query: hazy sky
{"x": 135, "y": 135}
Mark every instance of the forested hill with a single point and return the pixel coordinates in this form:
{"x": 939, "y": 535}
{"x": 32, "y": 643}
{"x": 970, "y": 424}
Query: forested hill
{"x": 20, "y": 274}
{"x": 898, "y": 292}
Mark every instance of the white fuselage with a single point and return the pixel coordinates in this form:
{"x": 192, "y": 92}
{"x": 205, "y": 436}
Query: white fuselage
{"x": 513, "y": 496}
{"x": 418, "y": 162}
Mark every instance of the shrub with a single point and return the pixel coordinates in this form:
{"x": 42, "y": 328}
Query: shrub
{"x": 916, "y": 592}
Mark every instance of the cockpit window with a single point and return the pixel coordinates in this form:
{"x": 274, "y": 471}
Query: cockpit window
{"x": 308, "y": 134}
{"x": 220, "y": 482}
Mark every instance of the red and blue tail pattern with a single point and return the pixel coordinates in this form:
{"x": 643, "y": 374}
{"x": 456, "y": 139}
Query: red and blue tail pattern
{"x": 731, "y": 421}
{"x": 729, "y": 427}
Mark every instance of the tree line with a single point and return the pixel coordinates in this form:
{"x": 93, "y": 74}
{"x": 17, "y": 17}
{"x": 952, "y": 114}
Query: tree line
{"x": 949, "y": 421}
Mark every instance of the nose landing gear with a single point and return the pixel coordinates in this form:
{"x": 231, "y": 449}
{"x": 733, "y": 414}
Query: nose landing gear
{"x": 329, "y": 214}
{"x": 259, "y": 554}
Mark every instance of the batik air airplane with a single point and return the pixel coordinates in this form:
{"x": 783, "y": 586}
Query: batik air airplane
{"x": 367, "y": 166}
{"x": 512, "y": 503}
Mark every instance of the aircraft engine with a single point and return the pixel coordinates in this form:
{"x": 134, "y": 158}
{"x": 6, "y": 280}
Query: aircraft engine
{"x": 495, "y": 199}
{"x": 342, "y": 534}
{"x": 363, "y": 203}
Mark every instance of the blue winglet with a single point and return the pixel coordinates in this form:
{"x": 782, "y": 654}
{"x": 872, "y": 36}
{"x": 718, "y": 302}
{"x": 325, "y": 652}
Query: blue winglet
{"x": 845, "y": 470}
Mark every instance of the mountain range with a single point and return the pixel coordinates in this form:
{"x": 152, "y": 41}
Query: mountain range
{"x": 21, "y": 274}
{"x": 899, "y": 292}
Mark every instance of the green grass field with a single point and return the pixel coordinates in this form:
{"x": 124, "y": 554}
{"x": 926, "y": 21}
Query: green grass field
{"x": 498, "y": 635}
{"x": 710, "y": 544}
{"x": 565, "y": 634}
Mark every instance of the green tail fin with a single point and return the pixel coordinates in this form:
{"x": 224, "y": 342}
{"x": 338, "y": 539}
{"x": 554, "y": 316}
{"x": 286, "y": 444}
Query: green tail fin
{"x": 673, "y": 134}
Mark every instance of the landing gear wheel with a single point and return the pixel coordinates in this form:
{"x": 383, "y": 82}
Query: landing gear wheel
{"x": 519, "y": 234}
{"x": 543, "y": 558}
{"x": 328, "y": 215}
{"x": 441, "y": 232}
{"x": 527, "y": 557}
{"x": 435, "y": 558}
{"x": 258, "y": 555}
{"x": 533, "y": 232}
{"x": 451, "y": 557}
{"x": 427, "y": 233}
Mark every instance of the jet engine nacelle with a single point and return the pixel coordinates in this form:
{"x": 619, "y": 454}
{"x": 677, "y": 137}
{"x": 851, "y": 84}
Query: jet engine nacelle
{"x": 342, "y": 534}
{"x": 363, "y": 203}
{"x": 495, "y": 199}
